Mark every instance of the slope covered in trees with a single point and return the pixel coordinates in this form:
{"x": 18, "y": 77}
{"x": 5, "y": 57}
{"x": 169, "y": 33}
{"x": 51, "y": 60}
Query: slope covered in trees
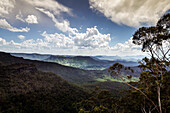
{"x": 25, "y": 89}
{"x": 70, "y": 74}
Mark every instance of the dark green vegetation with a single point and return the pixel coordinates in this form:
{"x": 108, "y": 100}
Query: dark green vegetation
{"x": 24, "y": 89}
{"x": 151, "y": 94}
{"x": 115, "y": 88}
{"x": 70, "y": 74}
{"x": 30, "y": 86}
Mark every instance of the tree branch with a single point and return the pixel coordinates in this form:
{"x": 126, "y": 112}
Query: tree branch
{"x": 137, "y": 90}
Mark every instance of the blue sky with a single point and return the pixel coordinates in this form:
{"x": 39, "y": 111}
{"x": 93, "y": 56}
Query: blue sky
{"x": 76, "y": 27}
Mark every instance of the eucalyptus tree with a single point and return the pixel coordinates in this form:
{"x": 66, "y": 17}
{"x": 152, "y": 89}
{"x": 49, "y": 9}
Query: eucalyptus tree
{"x": 155, "y": 41}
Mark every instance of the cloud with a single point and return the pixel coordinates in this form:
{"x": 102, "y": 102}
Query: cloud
{"x": 11, "y": 7}
{"x": 91, "y": 39}
{"x": 20, "y": 17}
{"x": 31, "y": 19}
{"x": 6, "y": 6}
{"x": 127, "y": 48}
{"x": 58, "y": 41}
{"x": 21, "y": 37}
{"x": 51, "y": 8}
{"x": 62, "y": 25}
{"x": 5, "y": 25}
{"x": 131, "y": 13}
{"x": 50, "y": 5}
{"x": 60, "y": 44}
{"x": 2, "y": 41}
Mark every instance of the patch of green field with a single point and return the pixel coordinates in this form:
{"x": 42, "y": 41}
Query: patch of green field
{"x": 101, "y": 80}
{"x": 117, "y": 79}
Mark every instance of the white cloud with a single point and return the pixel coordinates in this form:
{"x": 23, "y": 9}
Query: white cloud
{"x": 20, "y": 17}
{"x": 21, "y": 37}
{"x": 2, "y": 41}
{"x": 51, "y": 8}
{"x": 60, "y": 44}
{"x": 58, "y": 41}
{"x": 50, "y": 5}
{"x": 31, "y": 19}
{"x": 6, "y": 6}
{"x": 127, "y": 48}
{"x": 91, "y": 39}
{"x": 11, "y": 7}
{"x": 62, "y": 25}
{"x": 131, "y": 12}
{"x": 5, "y": 25}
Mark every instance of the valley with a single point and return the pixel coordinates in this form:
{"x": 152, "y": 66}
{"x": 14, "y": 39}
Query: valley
{"x": 82, "y": 62}
{"x": 81, "y": 69}
{"x": 49, "y": 83}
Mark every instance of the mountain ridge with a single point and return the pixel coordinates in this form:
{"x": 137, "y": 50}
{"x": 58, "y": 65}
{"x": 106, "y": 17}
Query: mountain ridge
{"x": 82, "y": 62}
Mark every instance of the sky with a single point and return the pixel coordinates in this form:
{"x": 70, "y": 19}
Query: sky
{"x": 76, "y": 27}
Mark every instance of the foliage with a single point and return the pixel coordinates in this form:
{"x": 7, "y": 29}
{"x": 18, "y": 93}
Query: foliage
{"x": 24, "y": 89}
{"x": 99, "y": 102}
{"x": 155, "y": 40}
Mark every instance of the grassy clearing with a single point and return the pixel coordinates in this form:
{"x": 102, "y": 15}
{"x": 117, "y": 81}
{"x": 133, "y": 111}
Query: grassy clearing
{"x": 116, "y": 79}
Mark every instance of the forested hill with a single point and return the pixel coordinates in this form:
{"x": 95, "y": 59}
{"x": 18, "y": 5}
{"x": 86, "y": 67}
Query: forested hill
{"x": 70, "y": 74}
{"x": 83, "y": 62}
{"x": 25, "y": 89}
{"x": 31, "y": 56}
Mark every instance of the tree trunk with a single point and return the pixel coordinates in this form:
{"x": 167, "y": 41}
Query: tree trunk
{"x": 140, "y": 91}
{"x": 159, "y": 98}
{"x": 158, "y": 89}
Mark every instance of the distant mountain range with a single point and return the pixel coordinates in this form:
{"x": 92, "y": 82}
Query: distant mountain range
{"x": 33, "y": 56}
{"x": 82, "y": 62}
{"x": 71, "y": 74}
{"x": 119, "y": 58}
